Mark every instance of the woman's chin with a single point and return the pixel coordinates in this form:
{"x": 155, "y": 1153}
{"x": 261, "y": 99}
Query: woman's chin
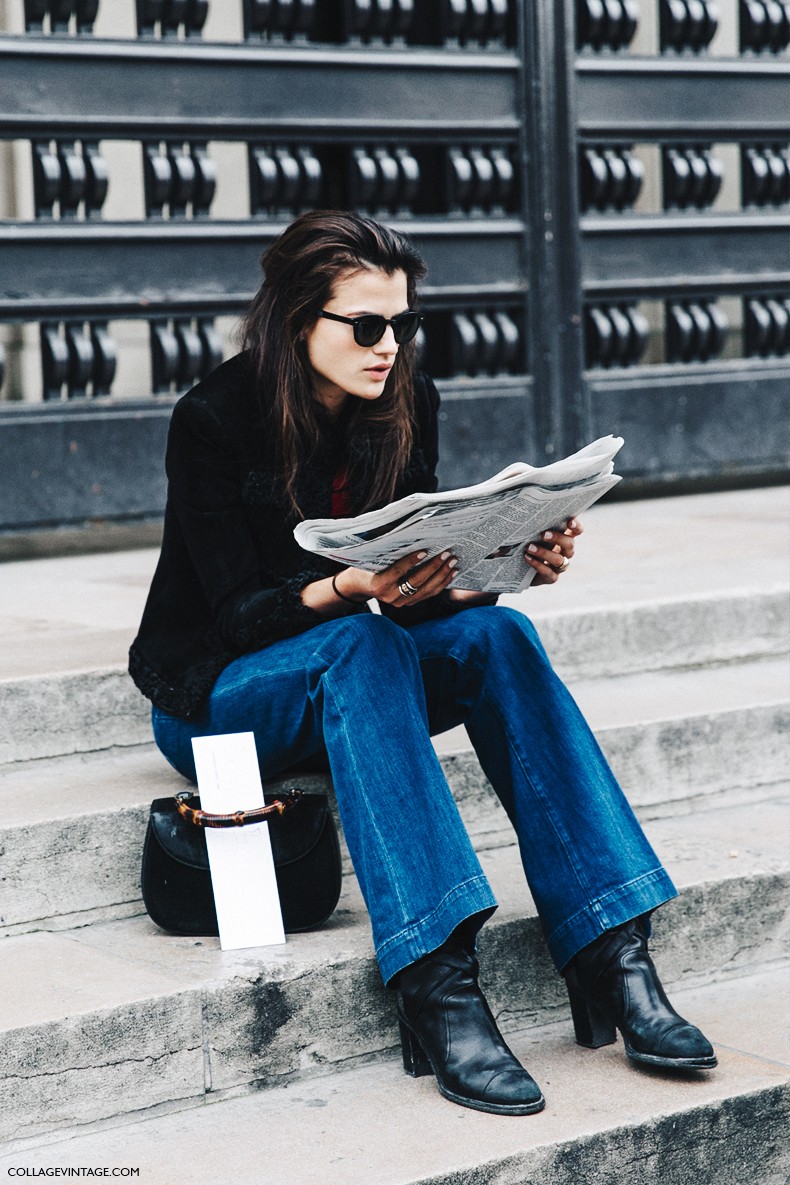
{"x": 369, "y": 390}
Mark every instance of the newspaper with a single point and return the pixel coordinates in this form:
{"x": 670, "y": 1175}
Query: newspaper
{"x": 487, "y": 526}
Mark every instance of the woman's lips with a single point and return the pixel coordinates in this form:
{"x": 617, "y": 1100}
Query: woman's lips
{"x": 378, "y": 371}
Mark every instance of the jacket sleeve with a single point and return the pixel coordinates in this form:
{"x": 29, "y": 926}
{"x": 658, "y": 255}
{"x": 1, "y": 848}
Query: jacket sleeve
{"x": 249, "y": 606}
{"x": 427, "y": 402}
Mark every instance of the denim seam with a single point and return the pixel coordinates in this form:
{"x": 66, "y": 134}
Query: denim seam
{"x": 538, "y": 791}
{"x": 545, "y": 801}
{"x": 595, "y": 904}
{"x": 612, "y": 895}
{"x": 372, "y": 821}
{"x": 414, "y": 927}
{"x": 220, "y": 690}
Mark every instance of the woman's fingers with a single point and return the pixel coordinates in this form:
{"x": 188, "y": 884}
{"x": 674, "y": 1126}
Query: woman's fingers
{"x": 410, "y": 572}
{"x": 404, "y": 565}
{"x": 432, "y": 583}
{"x": 429, "y": 578}
{"x": 558, "y": 542}
{"x": 384, "y": 584}
{"x": 546, "y": 563}
{"x": 554, "y": 547}
{"x": 551, "y": 555}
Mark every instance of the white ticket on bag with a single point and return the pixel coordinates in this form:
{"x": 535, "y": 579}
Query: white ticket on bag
{"x": 240, "y": 858}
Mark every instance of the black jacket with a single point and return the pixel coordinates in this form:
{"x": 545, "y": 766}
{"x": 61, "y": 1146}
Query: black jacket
{"x": 230, "y": 572}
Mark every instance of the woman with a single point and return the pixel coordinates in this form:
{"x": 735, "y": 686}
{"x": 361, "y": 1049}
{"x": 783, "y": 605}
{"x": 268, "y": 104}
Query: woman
{"x": 321, "y": 415}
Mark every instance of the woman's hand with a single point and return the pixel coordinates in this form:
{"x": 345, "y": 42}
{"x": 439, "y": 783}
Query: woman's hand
{"x": 550, "y": 557}
{"x": 552, "y": 553}
{"x": 405, "y": 582}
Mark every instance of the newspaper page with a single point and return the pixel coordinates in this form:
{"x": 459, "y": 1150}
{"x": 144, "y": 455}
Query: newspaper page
{"x": 487, "y": 526}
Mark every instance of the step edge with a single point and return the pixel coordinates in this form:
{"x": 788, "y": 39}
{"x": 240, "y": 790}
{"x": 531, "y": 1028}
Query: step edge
{"x": 498, "y": 925}
{"x": 117, "y": 1123}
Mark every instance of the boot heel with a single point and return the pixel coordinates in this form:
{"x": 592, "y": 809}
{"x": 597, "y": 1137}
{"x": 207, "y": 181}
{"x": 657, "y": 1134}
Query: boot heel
{"x": 592, "y": 1027}
{"x": 415, "y": 1062}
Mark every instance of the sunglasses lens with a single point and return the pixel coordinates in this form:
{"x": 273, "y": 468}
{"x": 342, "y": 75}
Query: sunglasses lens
{"x": 405, "y": 327}
{"x": 369, "y": 329}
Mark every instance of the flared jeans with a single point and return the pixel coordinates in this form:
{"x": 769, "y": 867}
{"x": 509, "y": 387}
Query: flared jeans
{"x": 370, "y": 693}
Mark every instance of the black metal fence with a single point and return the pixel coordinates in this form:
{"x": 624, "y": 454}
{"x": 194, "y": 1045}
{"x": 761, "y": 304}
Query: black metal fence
{"x": 511, "y": 140}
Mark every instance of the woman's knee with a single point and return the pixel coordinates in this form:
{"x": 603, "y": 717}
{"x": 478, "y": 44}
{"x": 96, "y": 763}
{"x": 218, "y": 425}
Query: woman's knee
{"x": 496, "y": 638}
{"x": 372, "y": 637}
{"x": 369, "y": 626}
{"x": 497, "y": 630}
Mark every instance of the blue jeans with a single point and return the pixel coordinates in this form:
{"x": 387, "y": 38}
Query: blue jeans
{"x": 370, "y": 693}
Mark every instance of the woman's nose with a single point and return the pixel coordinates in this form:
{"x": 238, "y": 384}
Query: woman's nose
{"x": 387, "y": 344}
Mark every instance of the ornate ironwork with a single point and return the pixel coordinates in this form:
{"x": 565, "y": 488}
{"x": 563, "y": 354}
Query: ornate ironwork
{"x": 766, "y": 324}
{"x": 171, "y": 18}
{"x": 77, "y": 359}
{"x": 688, "y": 24}
{"x": 453, "y": 23}
{"x": 764, "y": 25}
{"x": 60, "y": 16}
{"x": 606, "y": 24}
{"x": 70, "y": 178}
{"x": 183, "y": 351}
{"x": 485, "y": 343}
{"x": 765, "y": 174}
{"x": 611, "y": 177}
{"x": 180, "y": 179}
{"x": 291, "y": 20}
{"x": 695, "y": 331}
{"x": 615, "y": 335}
{"x": 692, "y": 176}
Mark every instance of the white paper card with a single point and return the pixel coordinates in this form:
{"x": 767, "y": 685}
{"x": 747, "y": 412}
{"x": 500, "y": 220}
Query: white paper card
{"x": 240, "y": 858}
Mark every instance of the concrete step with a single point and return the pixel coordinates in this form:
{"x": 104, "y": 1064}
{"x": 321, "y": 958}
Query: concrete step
{"x": 677, "y": 739}
{"x": 83, "y": 707}
{"x": 85, "y": 812}
{"x": 114, "y": 1018}
{"x": 655, "y": 584}
{"x": 623, "y": 637}
{"x": 605, "y": 1123}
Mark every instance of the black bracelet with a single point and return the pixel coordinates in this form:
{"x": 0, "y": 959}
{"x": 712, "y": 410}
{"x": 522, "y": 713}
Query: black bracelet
{"x": 343, "y": 597}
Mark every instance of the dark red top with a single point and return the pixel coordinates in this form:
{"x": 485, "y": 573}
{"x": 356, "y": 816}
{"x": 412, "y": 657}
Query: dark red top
{"x": 341, "y": 495}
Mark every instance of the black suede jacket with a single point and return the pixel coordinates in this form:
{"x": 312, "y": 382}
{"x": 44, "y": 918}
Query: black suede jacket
{"x": 230, "y": 572}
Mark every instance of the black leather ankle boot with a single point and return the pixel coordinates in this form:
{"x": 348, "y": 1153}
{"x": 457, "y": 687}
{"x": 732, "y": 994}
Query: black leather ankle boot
{"x": 447, "y": 1028}
{"x": 613, "y": 984}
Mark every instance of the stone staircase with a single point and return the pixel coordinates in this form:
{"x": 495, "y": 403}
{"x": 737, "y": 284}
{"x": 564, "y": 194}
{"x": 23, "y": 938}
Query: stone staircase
{"x": 115, "y": 1036}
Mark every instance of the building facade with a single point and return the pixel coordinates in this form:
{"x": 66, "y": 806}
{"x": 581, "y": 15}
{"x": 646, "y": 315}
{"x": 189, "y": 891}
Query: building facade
{"x": 601, "y": 189}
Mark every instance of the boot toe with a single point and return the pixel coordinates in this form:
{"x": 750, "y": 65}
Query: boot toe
{"x": 514, "y": 1087}
{"x": 682, "y": 1047}
{"x": 686, "y": 1042}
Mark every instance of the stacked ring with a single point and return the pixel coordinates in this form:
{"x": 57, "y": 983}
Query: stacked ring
{"x": 406, "y": 589}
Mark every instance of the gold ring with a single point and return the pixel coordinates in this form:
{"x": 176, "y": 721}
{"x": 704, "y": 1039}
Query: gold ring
{"x": 407, "y": 590}
{"x": 566, "y": 563}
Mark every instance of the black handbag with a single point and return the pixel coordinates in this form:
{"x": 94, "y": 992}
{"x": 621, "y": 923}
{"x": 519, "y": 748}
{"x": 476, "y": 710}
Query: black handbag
{"x": 175, "y": 877}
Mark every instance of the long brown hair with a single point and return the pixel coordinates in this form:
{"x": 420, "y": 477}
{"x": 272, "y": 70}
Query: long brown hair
{"x": 300, "y": 270}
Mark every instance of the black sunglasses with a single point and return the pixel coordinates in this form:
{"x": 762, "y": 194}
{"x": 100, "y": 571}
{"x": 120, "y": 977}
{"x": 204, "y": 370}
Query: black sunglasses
{"x": 370, "y": 327}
